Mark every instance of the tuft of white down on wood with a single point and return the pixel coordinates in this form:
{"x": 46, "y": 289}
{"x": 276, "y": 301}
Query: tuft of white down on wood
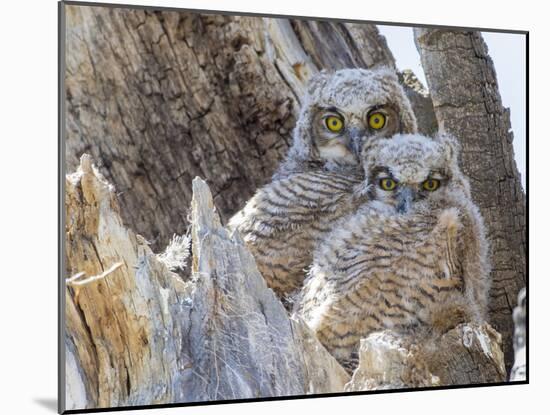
{"x": 176, "y": 253}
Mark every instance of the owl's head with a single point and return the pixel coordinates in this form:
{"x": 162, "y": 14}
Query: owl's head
{"x": 409, "y": 171}
{"x": 344, "y": 108}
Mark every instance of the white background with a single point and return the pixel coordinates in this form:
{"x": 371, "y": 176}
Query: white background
{"x": 28, "y": 217}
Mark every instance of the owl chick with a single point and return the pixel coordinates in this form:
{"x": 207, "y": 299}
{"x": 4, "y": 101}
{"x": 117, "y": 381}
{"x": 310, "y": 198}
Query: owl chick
{"x": 313, "y": 186}
{"x": 413, "y": 258}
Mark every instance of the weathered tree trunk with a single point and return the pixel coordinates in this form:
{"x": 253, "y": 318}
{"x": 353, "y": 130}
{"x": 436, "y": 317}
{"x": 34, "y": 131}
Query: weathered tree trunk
{"x": 136, "y": 334}
{"x": 158, "y": 98}
{"x": 466, "y": 100}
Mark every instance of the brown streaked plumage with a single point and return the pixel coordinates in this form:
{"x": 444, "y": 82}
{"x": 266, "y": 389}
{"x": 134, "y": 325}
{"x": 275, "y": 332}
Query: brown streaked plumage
{"x": 283, "y": 221}
{"x": 410, "y": 259}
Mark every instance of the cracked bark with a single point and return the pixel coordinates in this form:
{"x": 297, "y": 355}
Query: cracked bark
{"x": 463, "y": 85}
{"x": 158, "y": 98}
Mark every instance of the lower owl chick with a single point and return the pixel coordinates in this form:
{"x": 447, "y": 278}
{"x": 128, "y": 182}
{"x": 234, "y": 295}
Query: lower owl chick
{"x": 413, "y": 258}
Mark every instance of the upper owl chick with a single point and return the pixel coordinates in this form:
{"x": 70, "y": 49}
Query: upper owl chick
{"x": 314, "y": 186}
{"x": 413, "y": 258}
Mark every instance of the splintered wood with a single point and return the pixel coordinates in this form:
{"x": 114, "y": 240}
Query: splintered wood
{"x": 137, "y": 334}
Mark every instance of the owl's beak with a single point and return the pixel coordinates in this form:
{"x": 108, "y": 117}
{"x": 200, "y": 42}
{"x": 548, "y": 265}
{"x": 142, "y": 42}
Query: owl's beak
{"x": 355, "y": 140}
{"x": 405, "y": 198}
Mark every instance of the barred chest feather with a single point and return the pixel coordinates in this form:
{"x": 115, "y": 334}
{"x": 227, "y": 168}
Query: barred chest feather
{"x": 283, "y": 221}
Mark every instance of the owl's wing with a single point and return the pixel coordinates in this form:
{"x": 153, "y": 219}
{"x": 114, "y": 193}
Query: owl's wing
{"x": 446, "y": 235}
{"x": 474, "y": 253}
{"x": 462, "y": 233}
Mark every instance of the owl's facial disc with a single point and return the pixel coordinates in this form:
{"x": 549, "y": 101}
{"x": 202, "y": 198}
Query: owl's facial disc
{"x": 339, "y": 133}
{"x": 401, "y": 195}
{"x": 402, "y": 191}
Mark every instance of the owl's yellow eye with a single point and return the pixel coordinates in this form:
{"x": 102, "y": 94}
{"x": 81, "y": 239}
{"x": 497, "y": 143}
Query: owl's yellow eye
{"x": 388, "y": 184}
{"x": 334, "y": 123}
{"x": 377, "y": 120}
{"x": 430, "y": 185}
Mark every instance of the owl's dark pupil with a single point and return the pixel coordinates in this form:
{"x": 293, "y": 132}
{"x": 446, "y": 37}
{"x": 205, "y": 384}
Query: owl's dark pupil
{"x": 334, "y": 122}
{"x": 377, "y": 120}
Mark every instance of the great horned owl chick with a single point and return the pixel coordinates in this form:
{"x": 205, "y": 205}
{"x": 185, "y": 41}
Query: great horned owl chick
{"x": 413, "y": 258}
{"x": 313, "y": 187}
